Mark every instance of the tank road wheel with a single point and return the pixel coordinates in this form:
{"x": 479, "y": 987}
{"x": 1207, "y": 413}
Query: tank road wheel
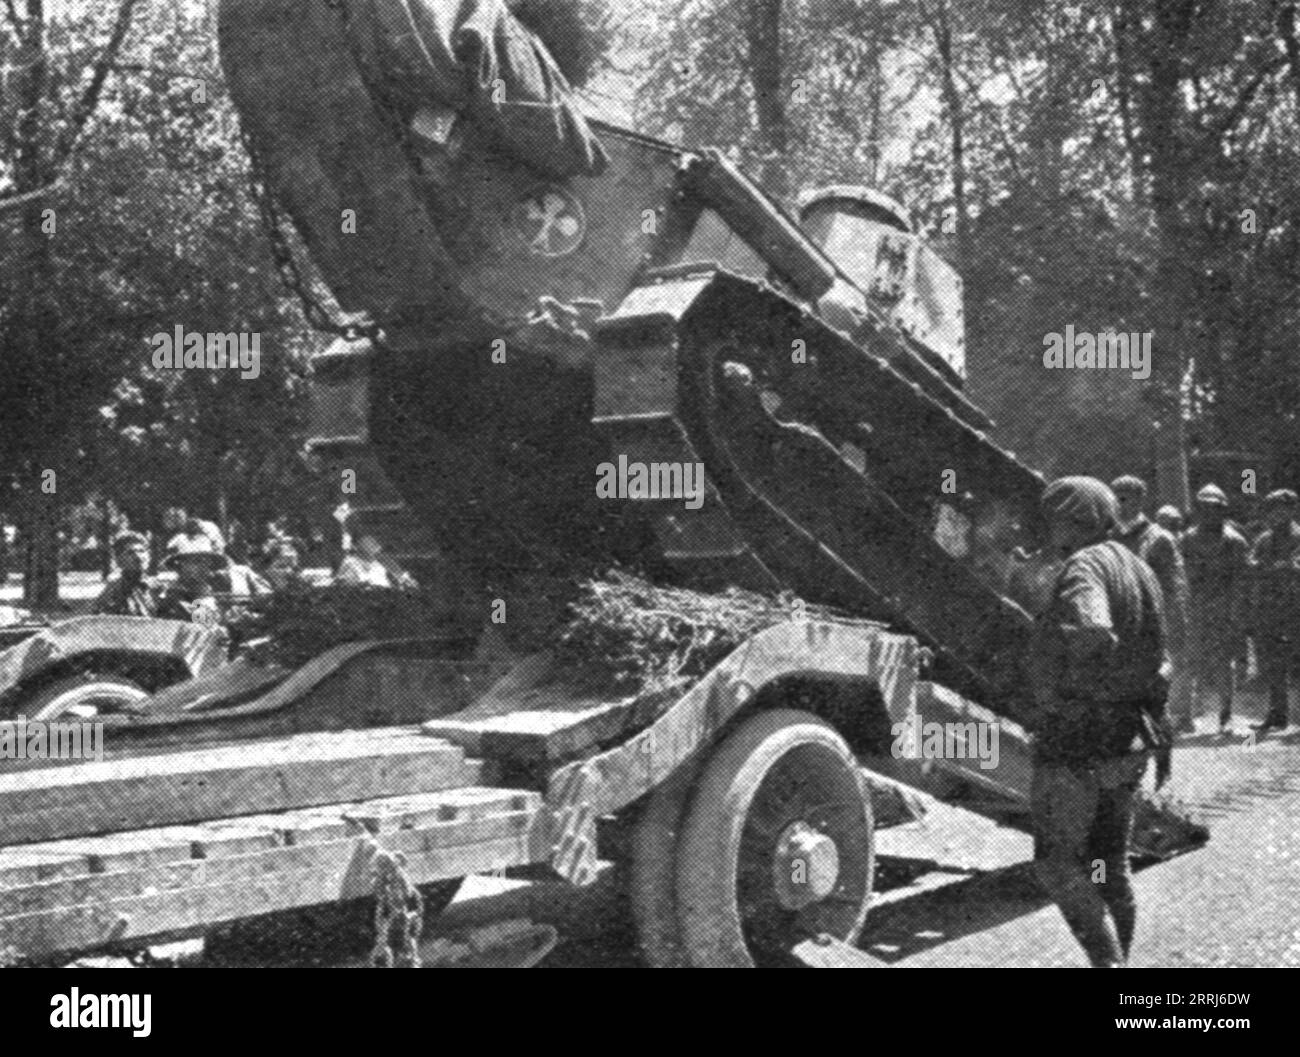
{"x": 778, "y": 844}
{"x": 82, "y": 697}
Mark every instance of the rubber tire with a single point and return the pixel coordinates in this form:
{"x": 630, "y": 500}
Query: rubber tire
{"x": 656, "y": 836}
{"x": 53, "y": 701}
{"x": 707, "y": 858}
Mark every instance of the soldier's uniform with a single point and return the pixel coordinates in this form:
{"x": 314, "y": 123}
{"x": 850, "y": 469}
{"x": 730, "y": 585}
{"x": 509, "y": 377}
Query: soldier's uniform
{"x": 1160, "y": 549}
{"x": 1275, "y": 609}
{"x": 1217, "y": 559}
{"x": 191, "y": 597}
{"x": 1100, "y": 678}
{"x": 131, "y": 593}
{"x": 128, "y": 598}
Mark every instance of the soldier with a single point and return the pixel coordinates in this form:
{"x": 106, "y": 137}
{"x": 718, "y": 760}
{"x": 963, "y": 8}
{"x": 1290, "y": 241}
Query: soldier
{"x": 1170, "y": 518}
{"x": 1100, "y": 679}
{"x": 191, "y": 597}
{"x": 1160, "y": 550}
{"x": 178, "y": 522}
{"x": 284, "y": 569}
{"x": 1217, "y": 560}
{"x": 130, "y": 593}
{"x": 1275, "y": 567}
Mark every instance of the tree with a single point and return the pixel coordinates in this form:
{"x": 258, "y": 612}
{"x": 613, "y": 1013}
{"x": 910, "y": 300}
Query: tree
{"x": 49, "y": 101}
{"x": 154, "y": 229}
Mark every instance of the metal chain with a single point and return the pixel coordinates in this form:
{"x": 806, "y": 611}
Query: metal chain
{"x": 286, "y": 264}
{"x": 291, "y": 274}
{"x": 399, "y": 907}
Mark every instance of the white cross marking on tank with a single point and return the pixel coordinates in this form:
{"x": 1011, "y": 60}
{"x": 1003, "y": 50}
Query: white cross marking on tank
{"x": 551, "y": 214}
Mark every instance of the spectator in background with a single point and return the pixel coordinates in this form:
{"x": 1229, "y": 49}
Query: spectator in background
{"x": 284, "y": 567}
{"x": 1217, "y": 560}
{"x": 367, "y": 567}
{"x": 181, "y": 526}
{"x": 130, "y": 593}
{"x": 191, "y": 597}
{"x": 1275, "y": 609}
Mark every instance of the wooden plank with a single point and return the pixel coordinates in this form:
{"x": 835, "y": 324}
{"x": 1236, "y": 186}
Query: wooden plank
{"x": 29, "y": 865}
{"x": 827, "y": 953}
{"x": 253, "y": 842}
{"x": 417, "y": 812}
{"x": 153, "y": 791}
{"x": 547, "y": 726}
{"x": 127, "y": 851}
{"x": 308, "y": 825}
{"x": 121, "y": 907}
{"x": 177, "y": 876}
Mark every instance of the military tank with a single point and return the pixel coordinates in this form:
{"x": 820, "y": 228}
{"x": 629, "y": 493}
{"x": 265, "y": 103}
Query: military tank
{"x": 563, "y": 345}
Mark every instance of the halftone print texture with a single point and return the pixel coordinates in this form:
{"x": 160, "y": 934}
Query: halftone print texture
{"x": 684, "y": 483}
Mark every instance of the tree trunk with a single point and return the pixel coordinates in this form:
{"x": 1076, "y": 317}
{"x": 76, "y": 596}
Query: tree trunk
{"x": 40, "y": 528}
{"x": 763, "y": 35}
{"x": 940, "y": 24}
{"x": 41, "y": 546}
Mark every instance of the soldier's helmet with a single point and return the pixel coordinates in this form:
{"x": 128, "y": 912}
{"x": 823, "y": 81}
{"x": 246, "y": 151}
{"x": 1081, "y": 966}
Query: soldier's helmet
{"x": 195, "y": 548}
{"x": 1169, "y": 517}
{"x": 1212, "y": 495}
{"x": 1281, "y": 498}
{"x": 1086, "y": 501}
{"x": 1129, "y": 485}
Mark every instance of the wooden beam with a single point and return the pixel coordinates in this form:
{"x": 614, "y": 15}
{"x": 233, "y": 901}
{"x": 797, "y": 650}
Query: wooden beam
{"x": 253, "y": 778}
{"x": 457, "y": 833}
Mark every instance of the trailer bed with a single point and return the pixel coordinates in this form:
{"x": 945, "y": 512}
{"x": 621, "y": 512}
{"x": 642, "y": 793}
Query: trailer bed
{"x": 163, "y": 845}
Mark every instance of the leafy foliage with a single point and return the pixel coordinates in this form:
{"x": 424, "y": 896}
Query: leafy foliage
{"x": 152, "y": 228}
{"x": 649, "y": 637}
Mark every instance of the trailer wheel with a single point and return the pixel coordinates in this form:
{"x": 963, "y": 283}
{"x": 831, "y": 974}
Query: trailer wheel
{"x": 82, "y": 697}
{"x": 651, "y": 882}
{"x": 778, "y": 844}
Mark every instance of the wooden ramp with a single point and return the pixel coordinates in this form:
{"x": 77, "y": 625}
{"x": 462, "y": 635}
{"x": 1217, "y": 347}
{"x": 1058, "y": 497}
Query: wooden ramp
{"x": 130, "y": 849}
{"x": 530, "y": 717}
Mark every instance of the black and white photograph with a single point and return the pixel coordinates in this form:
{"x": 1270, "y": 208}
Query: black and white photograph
{"x": 650, "y": 484}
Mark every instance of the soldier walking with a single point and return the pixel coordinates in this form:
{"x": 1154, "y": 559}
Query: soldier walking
{"x": 1275, "y": 568}
{"x": 1217, "y": 560}
{"x": 1100, "y": 677}
{"x": 1160, "y": 550}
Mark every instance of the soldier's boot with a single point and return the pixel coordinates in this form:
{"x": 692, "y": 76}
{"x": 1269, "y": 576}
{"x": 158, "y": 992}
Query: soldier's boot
{"x": 1278, "y": 706}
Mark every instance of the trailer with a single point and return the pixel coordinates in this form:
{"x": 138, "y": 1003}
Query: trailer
{"x": 740, "y": 811}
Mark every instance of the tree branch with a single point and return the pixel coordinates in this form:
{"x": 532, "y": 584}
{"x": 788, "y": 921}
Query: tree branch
{"x": 86, "y": 105}
{"x": 1286, "y": 28}
{"x": 15, "y": 199}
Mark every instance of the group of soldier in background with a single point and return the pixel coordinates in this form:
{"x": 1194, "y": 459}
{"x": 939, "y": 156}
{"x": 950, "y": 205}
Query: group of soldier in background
{"x": 1221, "y": 591}
{"x": 1139, "y": 622}
{"x": 203, "y": 568}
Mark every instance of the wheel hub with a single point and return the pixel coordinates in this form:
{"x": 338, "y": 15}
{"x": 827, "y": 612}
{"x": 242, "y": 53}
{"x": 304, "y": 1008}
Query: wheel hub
{"x": 806, "y": 866}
